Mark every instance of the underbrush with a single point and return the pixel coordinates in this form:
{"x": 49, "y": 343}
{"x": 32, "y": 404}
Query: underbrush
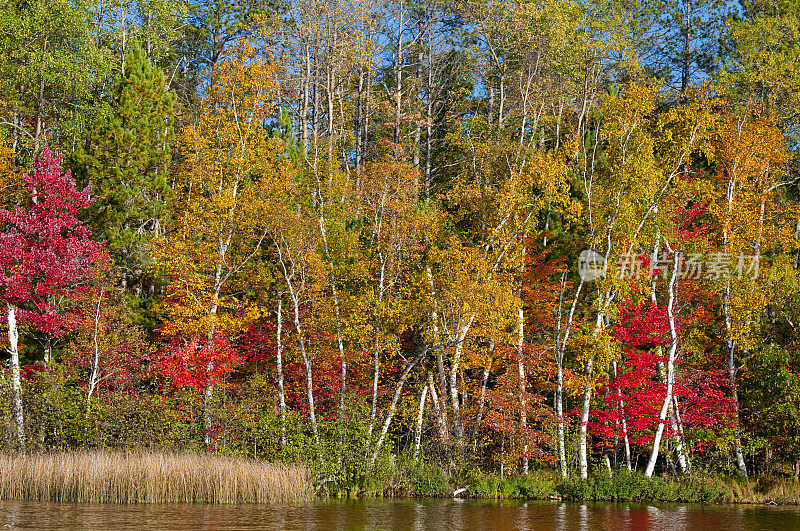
{"x": 628, "y": 486}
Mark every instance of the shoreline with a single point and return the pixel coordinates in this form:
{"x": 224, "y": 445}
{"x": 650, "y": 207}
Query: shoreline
{"x": 621, "y": 488}
{"x": 185, "y": 477}
{"x": 556, "y": 501}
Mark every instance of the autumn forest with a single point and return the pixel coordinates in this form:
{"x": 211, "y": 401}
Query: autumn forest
{"x": 463, "y": 236}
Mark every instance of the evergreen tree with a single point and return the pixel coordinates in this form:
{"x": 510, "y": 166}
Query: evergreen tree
{"x": 690, "y": 45}
{"x": 127, "y": 162}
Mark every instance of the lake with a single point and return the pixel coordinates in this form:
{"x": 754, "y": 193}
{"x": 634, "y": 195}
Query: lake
{"x": 399, "y": 515}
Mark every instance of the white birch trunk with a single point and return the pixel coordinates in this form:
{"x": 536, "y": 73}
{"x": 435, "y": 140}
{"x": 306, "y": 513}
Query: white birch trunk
{"x": 667, "y": 405}
{"x": 677, "y": 428}
{"x": 335, "y": 293}
{"x": 94, "y": 377}
{"x": 16, "y": 386}
{"x": 209, "y": 391}
{"x": 309, "y": 376}
{"x": 398, "y": 83}
{"x": 583, "y": 450}
{"x": 582, "y": 443}
{"x": 420, "y": 417}
{"x": 294, "y": 294}
{"x": 559, "y": 399}
{"x": 458, "y": 426}
{"x": 523, "y": 405}
{"x": 376, "y": 357}
{"x": 561, "y": 345}
{"x": 279, "y": 370}
{"x": 441, "y": 420}
{"x": 393, "y": 405}
{"x": 441, "y": 407}
{"x": 481, "y": 402}
{"x": 624, "y": 422}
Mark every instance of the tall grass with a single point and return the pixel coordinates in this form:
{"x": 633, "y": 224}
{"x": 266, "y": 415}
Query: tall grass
{"x": 157, "y": 477}
{"x": 761, "y": 489}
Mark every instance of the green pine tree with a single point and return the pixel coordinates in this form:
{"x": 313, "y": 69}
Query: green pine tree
{"x": 127, "y": 161}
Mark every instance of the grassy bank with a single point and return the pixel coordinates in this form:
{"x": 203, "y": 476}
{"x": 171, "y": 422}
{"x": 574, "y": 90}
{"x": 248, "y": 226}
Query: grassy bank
{"x": 409, "y": 479}
{"x": 100, "y": 476}
{"x": 163, "y": 477}
{"x": 620, "y": 487}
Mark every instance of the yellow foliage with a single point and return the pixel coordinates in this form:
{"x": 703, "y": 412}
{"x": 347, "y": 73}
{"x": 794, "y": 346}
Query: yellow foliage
{"x": 229, "y": 179}
{"x": 750, "y": 216}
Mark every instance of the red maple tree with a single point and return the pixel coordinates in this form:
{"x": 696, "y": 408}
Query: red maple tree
{"x": 45, "y": 255}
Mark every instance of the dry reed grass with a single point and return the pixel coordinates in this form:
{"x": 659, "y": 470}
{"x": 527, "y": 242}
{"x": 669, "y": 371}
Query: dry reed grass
{"x": 157, "y": 477}
{"x": 760, "y": 489}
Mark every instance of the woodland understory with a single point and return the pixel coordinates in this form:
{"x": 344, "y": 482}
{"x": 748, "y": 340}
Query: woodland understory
{"x": 355, "y": 236}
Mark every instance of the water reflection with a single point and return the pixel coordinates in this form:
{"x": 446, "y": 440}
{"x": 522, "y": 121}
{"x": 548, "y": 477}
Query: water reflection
{"x": 398, "y": 515}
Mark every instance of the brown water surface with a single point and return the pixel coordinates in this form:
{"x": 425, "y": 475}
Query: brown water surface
{"x": 398, "y": 515}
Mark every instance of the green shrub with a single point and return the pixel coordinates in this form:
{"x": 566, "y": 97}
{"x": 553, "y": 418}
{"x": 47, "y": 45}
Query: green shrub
{"x": 625, "y": 486}
{"x": 486, "y": 487}
{"x": 429, "y": 481}
{"x": 535, "y": 488}
{"x": 572, "y": 489}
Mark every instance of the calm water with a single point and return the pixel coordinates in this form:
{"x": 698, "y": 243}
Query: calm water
{"x": 405, "y": 514}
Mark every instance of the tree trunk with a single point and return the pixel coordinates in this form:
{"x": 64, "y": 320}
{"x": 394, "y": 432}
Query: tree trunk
{"x": 94, "y": 377}
{"x": 315, "y": 110}
{"x": 335, "y": 294}
{"x": 559, "y": 400}
{"x": 740, "y": 464}
{"x": 439, "y": 358}
{"x": 587, "y": 400}
{"x": 730, "y": 344}
{"x": 398, "y": 81}
{"x": 561, "y": 346}
{"x": 48, "y": 350}
{"x": 365, "y": 139}
{"x": 441, "y": 416}
{"x": 458, "y": 426}
{"x": 490, "y": 111}
{"x": 667, "y": 405}
{"x": 677, "y": 428}
{"x": 393, "y": 405}
{"x": 502, "y": 101}
{"x": 360, "y": 120}
{"x": 279, "y": 370}
{"x": 376, "y": 357}
{"x": 309, "y": 375}
{"x": 340, "y": 344}
{"x": 304, "y": 105}
{"x": 208, "y": 394}
{"x": 523, "y": 403}
{"x": 418, "y": 126}
{"x": 418, "y": 435}
{"x": 481, "y": 402}
{"x": 330, "y": 86}
{"x": 16, "y": 386}
{"x": 429, "y": 124}
{"x": 624, "y": 422}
